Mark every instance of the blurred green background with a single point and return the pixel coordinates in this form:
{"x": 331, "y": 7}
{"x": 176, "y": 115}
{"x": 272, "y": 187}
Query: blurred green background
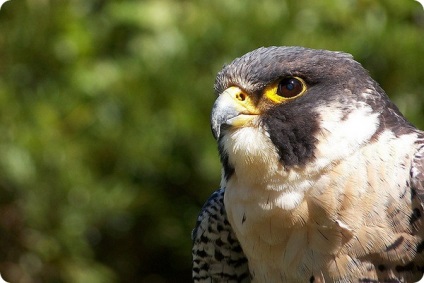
{"x": 106, "y": 155}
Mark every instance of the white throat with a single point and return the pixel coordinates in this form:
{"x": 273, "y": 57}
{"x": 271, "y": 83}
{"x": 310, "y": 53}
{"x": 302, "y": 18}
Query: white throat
{"x": 262, "y": 184}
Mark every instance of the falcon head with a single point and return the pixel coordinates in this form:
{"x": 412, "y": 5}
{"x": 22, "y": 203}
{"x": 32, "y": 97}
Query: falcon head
{"x": 287, "y": 109}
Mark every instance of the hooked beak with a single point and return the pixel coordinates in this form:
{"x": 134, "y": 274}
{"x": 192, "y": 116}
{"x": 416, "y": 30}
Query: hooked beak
{"x": 233, "y": 108}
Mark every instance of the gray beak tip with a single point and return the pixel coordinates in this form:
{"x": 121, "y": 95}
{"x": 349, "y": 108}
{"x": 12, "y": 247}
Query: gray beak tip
{"x": 216, "y": 130}
{"x": 222, "y": 111}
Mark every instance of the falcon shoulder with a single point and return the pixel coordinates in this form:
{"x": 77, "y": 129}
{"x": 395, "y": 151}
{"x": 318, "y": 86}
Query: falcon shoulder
{"x": 417, "y": 188}
{"x": 217, "y": 255}
{"x": 417, "y": 169}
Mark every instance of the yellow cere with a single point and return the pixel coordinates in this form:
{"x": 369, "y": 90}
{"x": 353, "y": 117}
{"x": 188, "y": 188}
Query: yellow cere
{"x": 244, "y": 103}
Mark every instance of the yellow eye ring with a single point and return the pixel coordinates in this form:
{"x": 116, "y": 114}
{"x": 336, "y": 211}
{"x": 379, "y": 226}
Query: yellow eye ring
{"x": 285, "y": 89}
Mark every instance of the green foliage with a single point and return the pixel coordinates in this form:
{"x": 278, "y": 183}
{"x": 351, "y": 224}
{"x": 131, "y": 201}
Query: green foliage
{"x": 106, "y": 151}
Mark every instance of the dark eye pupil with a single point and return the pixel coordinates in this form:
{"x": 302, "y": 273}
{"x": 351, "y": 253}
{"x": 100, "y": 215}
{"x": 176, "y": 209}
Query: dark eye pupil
{"x": 289, "y": 87}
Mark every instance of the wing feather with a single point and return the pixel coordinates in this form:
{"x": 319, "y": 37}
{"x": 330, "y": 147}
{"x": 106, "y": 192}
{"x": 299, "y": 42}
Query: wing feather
{"x": 217, "y": 255}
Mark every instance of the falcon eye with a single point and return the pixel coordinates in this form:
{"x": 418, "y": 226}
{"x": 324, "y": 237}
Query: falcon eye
{"x": 285, "y": 89}
{"x": 290, "y": 87}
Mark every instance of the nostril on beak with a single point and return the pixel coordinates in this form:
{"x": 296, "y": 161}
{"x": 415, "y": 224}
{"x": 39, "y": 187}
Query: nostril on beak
{"x": 241, "y": 96}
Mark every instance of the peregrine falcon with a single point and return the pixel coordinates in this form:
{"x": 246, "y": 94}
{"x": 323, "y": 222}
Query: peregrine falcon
{"x": 322, "y": 176}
